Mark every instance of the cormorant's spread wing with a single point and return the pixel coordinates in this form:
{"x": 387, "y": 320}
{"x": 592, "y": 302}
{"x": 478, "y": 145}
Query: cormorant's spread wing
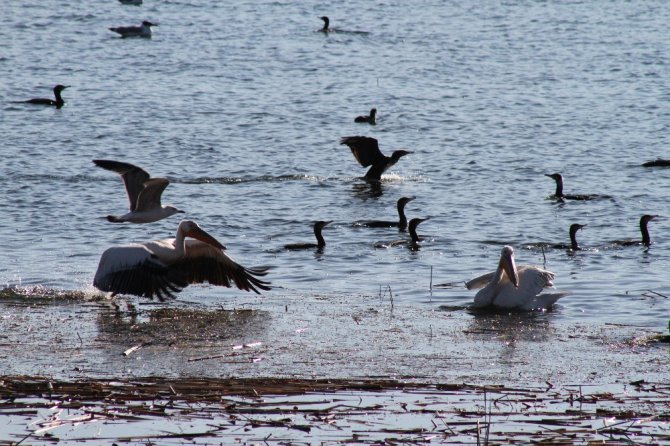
{"x": 365, "y": 149}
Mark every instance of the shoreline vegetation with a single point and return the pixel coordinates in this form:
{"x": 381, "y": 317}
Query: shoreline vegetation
{"x": 364, "y": 411}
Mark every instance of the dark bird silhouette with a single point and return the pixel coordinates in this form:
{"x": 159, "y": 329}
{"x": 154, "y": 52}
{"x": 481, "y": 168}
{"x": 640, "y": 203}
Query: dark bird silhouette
{"x": 327, "y": 29}
{"x": 574, "y": 246}
{"x": 58, "y": 103}
{"x": 646, "y": 239}
{"x": 367, "y": 153}
{"x": 326, "y": 25}
{"x": 401, "y": 223}
{"x": 561, "y": 196}
{"x": 414, "y": 237}
{"x": 659, "y": 162}
{"x": 321, "y": 243}
{"x": 370, "y": 119}
{"x": 144, "y": 30}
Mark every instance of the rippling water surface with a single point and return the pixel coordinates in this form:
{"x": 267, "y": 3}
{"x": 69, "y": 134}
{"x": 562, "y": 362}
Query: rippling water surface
{"x": 242, "y": 105}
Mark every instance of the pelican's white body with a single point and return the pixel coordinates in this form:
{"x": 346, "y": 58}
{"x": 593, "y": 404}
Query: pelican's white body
{"x": 499, "y": 289}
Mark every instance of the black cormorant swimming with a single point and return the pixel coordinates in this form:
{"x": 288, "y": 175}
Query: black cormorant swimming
{"x": 573, "y": 246}
{"x": 370, "y": 119}
{"x": 321, "y": 243}
{"x": 367, "y": 153}
{"x": 144, "y": 30}
{"x": 414, "y": 237}
{"x": 657, "y": 163}
{"x": 561, "y": 196}
{"x": 401, "y": 223}
{"x": 646, "y": 239}
{"x": 58, "y": 103}
{"x": 326, "y": 24}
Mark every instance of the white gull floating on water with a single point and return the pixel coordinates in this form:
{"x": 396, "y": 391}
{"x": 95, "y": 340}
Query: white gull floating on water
{"x": 514, "y": 288}
{"x": 144, "y": 193}
{"x": 144, "y": 30}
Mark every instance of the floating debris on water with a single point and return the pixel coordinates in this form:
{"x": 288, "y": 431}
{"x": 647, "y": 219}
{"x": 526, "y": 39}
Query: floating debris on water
{"x": 282, "y": 411}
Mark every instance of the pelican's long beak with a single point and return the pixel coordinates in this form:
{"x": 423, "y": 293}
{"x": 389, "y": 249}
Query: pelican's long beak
{"x": 508, "y": 265}
{"x": 204, "y": 237}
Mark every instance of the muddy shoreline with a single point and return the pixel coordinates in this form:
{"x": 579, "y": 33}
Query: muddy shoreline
{"x": 322, "y": 368}
{"x": 286, "y": 411}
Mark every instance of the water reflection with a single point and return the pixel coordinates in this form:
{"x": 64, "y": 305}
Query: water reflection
{"x": 366, "y": 190}
{"x": 512, "y": 327}
{"x": 180, "y": 326}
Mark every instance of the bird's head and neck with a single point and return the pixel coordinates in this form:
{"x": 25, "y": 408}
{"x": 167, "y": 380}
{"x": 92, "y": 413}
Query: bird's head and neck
{"x": 573, "y": 236}
{"x": 559, "y": 183}
{"x": 397, "y": 154}
{"x": 326, "y": 24}
{"x": 644, "y": 221}
{"x": 413, "y": 223}
{"x": 318, "y": 227}
{"x": 189, "y": 228}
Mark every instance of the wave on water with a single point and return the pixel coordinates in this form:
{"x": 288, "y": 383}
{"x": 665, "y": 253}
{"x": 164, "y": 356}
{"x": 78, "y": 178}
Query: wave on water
{"x": 258, "y": 179}
{"x": 42, "y": 294}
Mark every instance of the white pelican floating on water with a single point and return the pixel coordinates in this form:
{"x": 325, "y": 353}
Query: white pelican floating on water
{"x": 163, "y": 267}
{"x": 144, "y": 193}
{"x": 512, "y": 287}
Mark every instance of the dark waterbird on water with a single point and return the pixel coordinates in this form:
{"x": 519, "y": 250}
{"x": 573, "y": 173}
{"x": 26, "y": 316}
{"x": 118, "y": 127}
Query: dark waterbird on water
{"x": 327, "y": 29}
{"x": 573, "y": 246}
{"x": 321, "y": 242}
{"x": 144, "y": 30}
{"x": 58, "y": 102}
{"x": 367, "y": 153}
{"x": 659, "y": 162}
{"x": 646, "y": 239}
{"x": 370, "y": 119}
{"x": 401, "y": 223}
{"x": 414, "y": 239}
{"x": 326, "y": 25}
{"x": 561, "y": 196}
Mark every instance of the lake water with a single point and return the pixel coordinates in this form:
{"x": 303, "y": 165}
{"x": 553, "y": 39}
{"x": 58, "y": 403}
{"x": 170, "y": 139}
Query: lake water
{"x": 242, "y": 106}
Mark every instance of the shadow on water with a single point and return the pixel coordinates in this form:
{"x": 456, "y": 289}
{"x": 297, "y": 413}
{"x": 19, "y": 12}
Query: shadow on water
{"x": 180, "y": 326}
{"x": 510, "y": 326}
{"x": 366, "y": 190}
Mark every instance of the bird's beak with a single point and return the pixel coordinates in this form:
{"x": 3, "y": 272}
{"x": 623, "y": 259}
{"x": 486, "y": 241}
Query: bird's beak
{"x": 508, "y": 265}
{"x": 204, "y": 237}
